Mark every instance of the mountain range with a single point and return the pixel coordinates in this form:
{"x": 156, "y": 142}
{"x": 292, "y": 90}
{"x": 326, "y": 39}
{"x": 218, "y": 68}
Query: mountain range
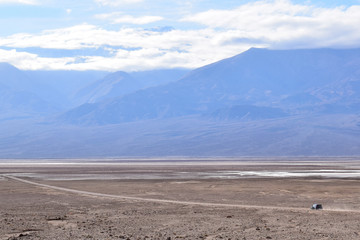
{"x": 258, "y": 103}
{"x": 293, "y": 81}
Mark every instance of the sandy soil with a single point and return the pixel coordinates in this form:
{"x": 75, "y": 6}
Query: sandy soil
{"x": 192, "y": 207}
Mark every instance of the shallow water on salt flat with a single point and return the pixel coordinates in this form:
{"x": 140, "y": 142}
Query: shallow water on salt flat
{"x": 194, "y": 175}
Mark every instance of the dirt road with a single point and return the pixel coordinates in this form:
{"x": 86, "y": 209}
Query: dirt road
{"x": 204, "y": 204}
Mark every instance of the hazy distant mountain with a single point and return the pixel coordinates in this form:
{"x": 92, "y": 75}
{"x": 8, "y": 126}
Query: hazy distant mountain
{"x": 328, "y": 135}
{"x": 158, "y": 77}
{"x": 121, "y": 83}
{"x": 14, "y": 78}
{"x": 295, "y": 81}
{"x": 246, "y": 112}
{"x": 12, "y": 100}
{"x": 64, "y": 85}
{"x": 113, "y": 85}
{"x": 259, "y": 103}
{"x": 19, "y": 95}
{"x": 30, "y": 93}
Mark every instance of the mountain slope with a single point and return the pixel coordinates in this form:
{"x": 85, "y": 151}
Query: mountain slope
{"x": 158, "y": 77}
{"x": 329, "y": 135}
{"x": 113, "y": 85}
{"x": 14, "y": 78}
{"x": 258, "y": 77}
{"x": 259, "y": 103}
{"x": 121, "y": 83}
{"x": 19, "y": 95}
{"x": 61, "y": 86}
{"x": 247, "y": 112}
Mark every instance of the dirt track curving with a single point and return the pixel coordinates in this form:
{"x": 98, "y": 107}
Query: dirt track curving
{"x": 34, "y": 207}
{"x": 205, "y": 204}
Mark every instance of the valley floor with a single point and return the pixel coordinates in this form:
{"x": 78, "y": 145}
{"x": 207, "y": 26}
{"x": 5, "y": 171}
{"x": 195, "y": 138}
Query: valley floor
{"x": 193, "y": 200}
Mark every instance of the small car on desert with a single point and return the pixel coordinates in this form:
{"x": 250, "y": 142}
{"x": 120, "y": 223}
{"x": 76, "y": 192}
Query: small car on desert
{"x": 317, "y": 206}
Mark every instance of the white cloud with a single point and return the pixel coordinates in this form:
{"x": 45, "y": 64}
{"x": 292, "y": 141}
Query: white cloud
{"x": 28, "y": 2}
{"x": 133, "y": 49}
{"x": 283, "y": 24}
{"x": 271, "y": 24}
{"x": 118, "y": 17}
{"x": 24, "y": 60}
{"x": 117, "y": 2}
{"x": 77, "y": 37}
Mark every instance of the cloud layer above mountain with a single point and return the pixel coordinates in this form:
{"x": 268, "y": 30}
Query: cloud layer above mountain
{"x": 118, "y": 37}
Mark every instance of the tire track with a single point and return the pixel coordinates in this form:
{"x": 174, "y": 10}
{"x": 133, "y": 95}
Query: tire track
{"x": 154, "y": 200}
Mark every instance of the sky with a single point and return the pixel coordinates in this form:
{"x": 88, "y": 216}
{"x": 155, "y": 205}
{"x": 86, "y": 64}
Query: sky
{"x": 137, "y": 35}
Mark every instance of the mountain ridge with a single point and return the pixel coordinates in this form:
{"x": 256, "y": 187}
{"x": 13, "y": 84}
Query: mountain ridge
{"x": 259, "y": 103}
{"x": 256, "y": 77}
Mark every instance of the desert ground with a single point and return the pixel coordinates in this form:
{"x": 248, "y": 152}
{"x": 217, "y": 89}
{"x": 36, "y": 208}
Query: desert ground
{"x": 237, "y": 199}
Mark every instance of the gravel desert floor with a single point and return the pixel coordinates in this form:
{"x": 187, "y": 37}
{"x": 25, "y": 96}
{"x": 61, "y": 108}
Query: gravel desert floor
{"x": 180, "y": 200}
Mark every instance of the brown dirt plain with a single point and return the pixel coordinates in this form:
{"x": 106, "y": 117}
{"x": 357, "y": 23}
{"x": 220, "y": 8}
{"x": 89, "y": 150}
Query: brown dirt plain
{"x": 202, "y": 207}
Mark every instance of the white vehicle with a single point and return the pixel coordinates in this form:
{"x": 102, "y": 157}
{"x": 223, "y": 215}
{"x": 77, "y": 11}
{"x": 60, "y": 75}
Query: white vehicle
{"x": 316, "y": 206}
